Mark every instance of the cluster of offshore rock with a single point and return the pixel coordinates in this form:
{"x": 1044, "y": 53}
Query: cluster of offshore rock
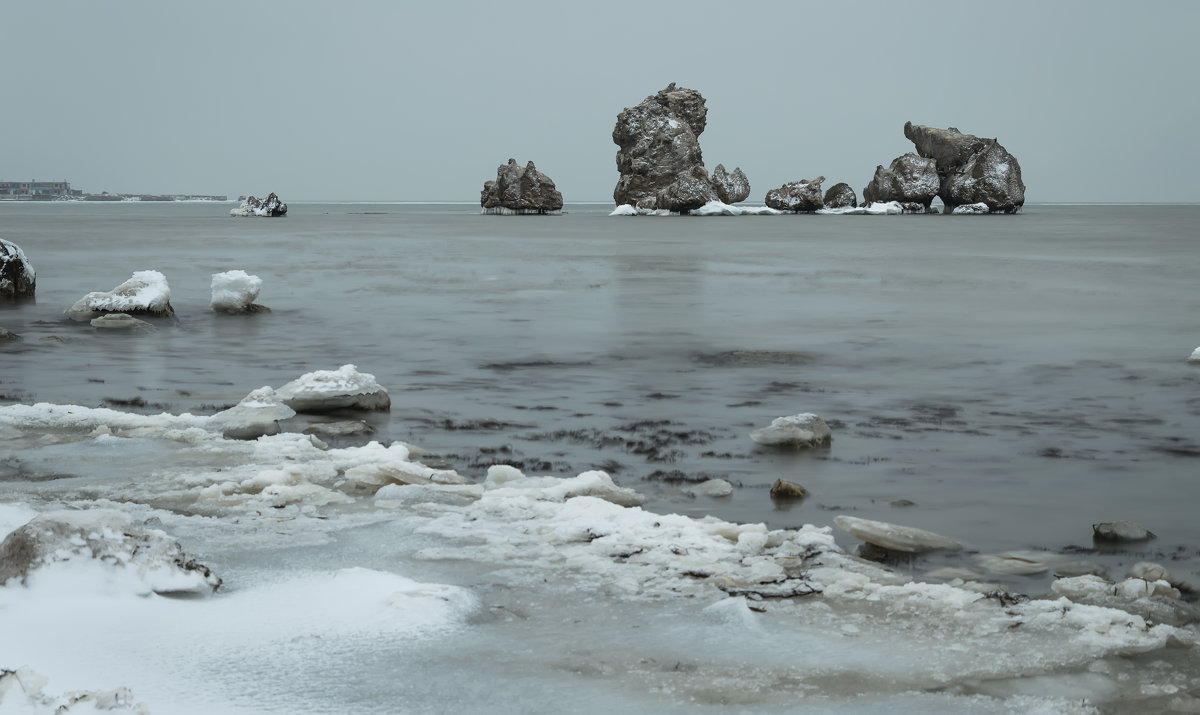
{"x": 520, "y": 190}
{"x": 253, "y": 206}
{"x": 661, "y": 168}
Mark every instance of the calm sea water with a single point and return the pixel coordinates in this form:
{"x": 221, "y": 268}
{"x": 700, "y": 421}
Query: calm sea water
{"x": 1017, "y": 378}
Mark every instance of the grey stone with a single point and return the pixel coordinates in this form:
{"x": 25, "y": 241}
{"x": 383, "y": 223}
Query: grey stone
{"x": 803, "y": 195}
{"x": 910, "y": 179}
{"x": 783, "y": 489}
{"x": 18, "y": 280}
{"x": 894, "y": 537}
{"x": 840, "y": 196}
{"x": 520, "y": 189}
{"x": 794, "y": 432}
{"x": 730, "y": 188}
{"x": 1120, "y": 531}
{"x": 970, "y": 169}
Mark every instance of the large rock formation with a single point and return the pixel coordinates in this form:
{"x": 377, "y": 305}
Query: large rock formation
{"x": 730, "y": 188}
{"x": 970, "y": 169}
{"x": 804, "y": 195}
{"x": 911, "y": 180}
{"x": 659, "y": 156}
{"x": 270, "y": 206}
{"x": 18, "y": 280}
{"x": 518, "y": 189}
{"x": 840, "y": 196}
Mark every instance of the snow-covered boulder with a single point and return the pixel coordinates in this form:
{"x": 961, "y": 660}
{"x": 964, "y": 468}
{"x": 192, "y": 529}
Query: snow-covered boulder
{"x": 803, "y": 195}
{"x": 979, "y": 208}
{"x": 1120, "y": 531}
{"x": 327, "y": 390}
{"x": 131, "y": 557}
{"x": 730, "y": 187}
{"x": 18, "y": 280}
{"x": 894, "y": 537}
{"x": 145, "y": 293}
{"x": 234, "y": 292}
{"x": 252, "y": 206}
{"x": 659, "y": 156}
{"x": 257, "y": 414}
{"x": 910, "y": 179}
{"x": 1195, "y": 356}
{"x": 520, "y": 190}
{"x": 840, "y": 196}
{"x": 794, "y": 431}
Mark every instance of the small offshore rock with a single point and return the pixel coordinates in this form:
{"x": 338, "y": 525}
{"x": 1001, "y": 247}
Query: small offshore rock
{"x": 234, "y": 293}
{"x": 18, "y": 280}
{"x": 798, "y": 196}
{"x": 1120, "y": 531}
{"x": 122, "y": 321}
{"x": 894, "y": 537}
{"x": 902, "y": 503}
{"x": 1017, "y": 563}
{"x": 1195, "y": 356}
{"x": 730, "y": 188}
{"x": 795, "y": 431}
{"x": 783, "y": 489}
{"x": 327, "y": 390}
{"x": 1149, "y": 571}
{"x": 840, "y": 196}
{"x": 911, "y": 180}
{"x": 145, "y": 293}
{"x": 714, "y": 488}
{"x": 7, "y": 335}
{"x": 345, "y": 428}
{"x": 520, "y": 190}
{"x": 270, "y": 206}
{"x": 975, "y": 209}
{"x": 257, "y": 414}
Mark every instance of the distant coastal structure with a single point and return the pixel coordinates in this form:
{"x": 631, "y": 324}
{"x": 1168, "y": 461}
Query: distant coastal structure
{"x": 37, "y": 191}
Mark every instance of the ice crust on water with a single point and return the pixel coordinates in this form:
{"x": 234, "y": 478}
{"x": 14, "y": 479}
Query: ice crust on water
{"x": 234, "y": 291}
{"x": 542, "y": 534}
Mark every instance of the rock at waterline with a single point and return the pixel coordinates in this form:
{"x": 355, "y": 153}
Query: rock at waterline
{"x": 659, "y": 157}
{"x": 730, "y": 188}
{"x": 18, "y": 280}
{"x": 7, "y": 336}
{"x": 970, "y": 169}
{"x": 257, "y": 414}
{"x": 783, "y": 489}
{"x": 894, "y": 537}
{"x": 234, "y": 293}
{"x": 972, "y": 209}
{"x": 270, "y": 206}
{"x": 1195, "y": 356}
{"x": 798, "y": 196}
{"x": 145, "y": 293}
{"x": 520, "y": 190}
{"x": 122, "y": 321}
{"x": 1120, "y": 531}
{"x": 795, "y": 432}
{"x": 713, "y": 488}
{"x": 156, "y": 562}
{"x": 910, "y": 179}
{"x": 327, "y": 390}
{"x": 840, "y": 196}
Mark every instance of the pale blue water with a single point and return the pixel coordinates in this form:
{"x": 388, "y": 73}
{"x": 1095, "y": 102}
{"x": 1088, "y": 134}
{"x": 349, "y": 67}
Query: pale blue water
{"x": 1017, "y": 377}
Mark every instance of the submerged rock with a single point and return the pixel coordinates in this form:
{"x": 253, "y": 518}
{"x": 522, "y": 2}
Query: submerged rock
{"x": 518, "y": 189}
{"x": 840, "y": 196}
{"x": 794, "y": 431}
{"x": 234, "y": 293}
{"x": 783, "y": 489}
{"x": 970, "y": 169}
{"x": 803, "y": 195}
{"x": 110, "y": 538}
{"x": 270, "y": 206}
{"x": 894, "y": 537}
{"x": 122, "y": 321}
{"x": 910, "y": 179}
{"x": 145, "y": 293}
{"x": 18, "y": 280}
{"x": 256, "y": 415}
{"x": 659, "y": 156}
{"x": 327, "y": 390}
{"x": 1120, "y": 531}
{"x": 7, "y": 336}
{"x": 730, "y": 188}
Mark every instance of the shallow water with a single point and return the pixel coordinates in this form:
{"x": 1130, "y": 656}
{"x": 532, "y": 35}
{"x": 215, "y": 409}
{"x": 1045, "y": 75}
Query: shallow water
{"x": 1017, "y": 377}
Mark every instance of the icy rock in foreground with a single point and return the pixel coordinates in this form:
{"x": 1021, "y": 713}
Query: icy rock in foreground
{"x": 326, "y": 390}
{"x": 145, "y": 293}
{"x": 520, "y": 190}
{"x": 23, "y": 691}
{"x": 256, "y": 415}
{"x": 18, "y": 280}
{"x": 234, "y": 293}
{"x": 894, "y": 537}
{"x": 270, "y": 206}
{"x": 141, "y": 560}
{"x": 795, "y": 431}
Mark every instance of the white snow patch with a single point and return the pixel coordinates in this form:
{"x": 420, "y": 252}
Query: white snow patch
{"x": 234, "y": 291}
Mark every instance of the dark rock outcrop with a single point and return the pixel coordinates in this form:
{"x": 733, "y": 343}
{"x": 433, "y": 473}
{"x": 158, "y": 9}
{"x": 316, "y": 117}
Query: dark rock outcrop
{"x": 910, "y": 179}
{"x": 840, "y": 196}
{"x": 518, "y": 189}
{"x": 797, "y": 196}
{"x": 252, "y": 206}
{"x": 730, "y": 188}
{"x": 18, "y": 280}
{"x": 659, "y": 157}
{"x": 970, "y": 169}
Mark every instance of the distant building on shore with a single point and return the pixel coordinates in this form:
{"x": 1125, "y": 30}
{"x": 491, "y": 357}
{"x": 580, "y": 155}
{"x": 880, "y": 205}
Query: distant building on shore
{"x": 36, "y": 190}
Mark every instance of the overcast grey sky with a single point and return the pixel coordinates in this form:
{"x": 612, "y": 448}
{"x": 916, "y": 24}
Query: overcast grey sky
{"x": 403, "y": 101}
